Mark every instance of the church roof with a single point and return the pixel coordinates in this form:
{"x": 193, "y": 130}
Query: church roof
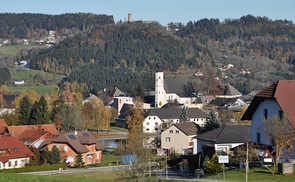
{"x": 181, "y": 86}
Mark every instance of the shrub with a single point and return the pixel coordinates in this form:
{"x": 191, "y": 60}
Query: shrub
{"x": 212, "y": 166}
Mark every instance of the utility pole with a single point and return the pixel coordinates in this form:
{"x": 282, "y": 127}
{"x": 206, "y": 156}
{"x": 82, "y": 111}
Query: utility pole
{"x": 166, "y": 168}
{"x": 247, "y": 164}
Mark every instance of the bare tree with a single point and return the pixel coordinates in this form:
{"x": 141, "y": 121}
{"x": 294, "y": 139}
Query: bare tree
{"x": 280, "y": 131}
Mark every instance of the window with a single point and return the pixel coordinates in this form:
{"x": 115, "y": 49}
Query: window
{"x": 258, "y": 137}
{"x": 265, "y": 113}
{"x": 156, "y": 123}
{"x": 154, "y": 117}
{"x": 149, "y": 117}
{"x": 147, "y": 123}
{"x": 281, "y": 114}
{"x": 9, "y": 164}
{"x": 147, "y": 129}
{"x": 16, "y": 150}
{"x": 171, "y": 131}
{"x": 167, "y": 139}
{"x": 15, "y": 163}
{"x": 176, "y": 131}
{"x": 66, "y": 148}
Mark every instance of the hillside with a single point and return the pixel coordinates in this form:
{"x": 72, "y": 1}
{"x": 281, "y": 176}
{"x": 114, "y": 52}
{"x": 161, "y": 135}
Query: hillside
{"x": 125, "y": 54}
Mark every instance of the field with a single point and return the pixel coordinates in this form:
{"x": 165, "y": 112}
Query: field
{"x": 26, "y": 75}
{"x": 39, "y": 89}
{"x": 9, "y": 50}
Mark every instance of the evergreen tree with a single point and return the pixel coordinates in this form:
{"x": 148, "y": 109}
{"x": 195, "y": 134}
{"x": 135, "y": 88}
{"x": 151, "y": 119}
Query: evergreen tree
{"x": 40, "y": 113}
{"x": 139, "y": 91}
{"x": 25, "y": 108}
{"x": 44, "y": 156}
{"x": 57, "y": 106}
{"x": 212, "y": 121}
{"x": 55, "y": 155}
{"x": 183, "y": 116}
{"x": 79, "y": 160}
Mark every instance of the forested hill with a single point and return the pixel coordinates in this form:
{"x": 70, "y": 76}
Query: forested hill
{"x": 125, "y": 54}
{"x": 121, "y": 55}
{"x": 25, "y": 25}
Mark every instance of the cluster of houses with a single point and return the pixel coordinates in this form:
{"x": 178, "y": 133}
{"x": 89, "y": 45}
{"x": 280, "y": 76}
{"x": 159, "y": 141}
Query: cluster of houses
{"x": 163, "y": 108}
{"x": 15, "y": 143}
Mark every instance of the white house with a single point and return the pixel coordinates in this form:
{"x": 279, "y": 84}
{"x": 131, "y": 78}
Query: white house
{"x": 277, "y": 99}
{"x": 158, "y": 119}
{"x": 13, "y": 153}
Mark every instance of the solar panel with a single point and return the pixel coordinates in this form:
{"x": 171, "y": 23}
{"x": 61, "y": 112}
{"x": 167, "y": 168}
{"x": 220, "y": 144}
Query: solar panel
{"x": 72, "y": 137}
{"x": 86, "y": 134}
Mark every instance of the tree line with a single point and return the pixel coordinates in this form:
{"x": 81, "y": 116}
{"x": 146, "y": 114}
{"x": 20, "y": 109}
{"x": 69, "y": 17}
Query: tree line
{"x": 64, "y": 109}
{"x": 23, "y": 25}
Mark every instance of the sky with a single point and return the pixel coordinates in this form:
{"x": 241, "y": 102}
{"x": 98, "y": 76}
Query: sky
{"x": 163, "y": 11}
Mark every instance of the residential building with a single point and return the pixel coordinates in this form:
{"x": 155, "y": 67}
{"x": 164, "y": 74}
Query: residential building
{"x": 278, "y": 99}
{"x": 13, "y": 153}
{"x": 223, "y": 139}
{"x": 233, "y": 104}
{"x": 33, "y": 135}
{"x": 227, "y": 91}
{"x": 74, "y": 142}
{"x": 158, "y": 119}
{"x": 178, "y": 137}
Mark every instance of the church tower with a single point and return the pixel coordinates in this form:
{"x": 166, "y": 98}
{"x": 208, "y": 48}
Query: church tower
{"x": 160, "y": 94}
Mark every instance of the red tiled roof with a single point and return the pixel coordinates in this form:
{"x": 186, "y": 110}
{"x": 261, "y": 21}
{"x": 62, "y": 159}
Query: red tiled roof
{"x": 283, "y": 92}
{"x": 16, "y": 148}
{"x": 3, "y": 125}
{"x": 17, "y": 131}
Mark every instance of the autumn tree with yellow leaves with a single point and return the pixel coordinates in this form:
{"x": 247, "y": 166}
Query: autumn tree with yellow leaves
{"x": 135, "y": 136}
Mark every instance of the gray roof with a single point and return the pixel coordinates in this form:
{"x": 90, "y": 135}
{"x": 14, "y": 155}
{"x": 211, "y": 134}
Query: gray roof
{"x": 172, "y": 113}
{"x": 227, "y": 134}
{"x": 222, "y": 102}
{"x": 229, "y": 90}
{"x": 182, "y": 87}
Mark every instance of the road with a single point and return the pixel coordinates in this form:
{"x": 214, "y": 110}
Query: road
{"x": 161, "y": 173}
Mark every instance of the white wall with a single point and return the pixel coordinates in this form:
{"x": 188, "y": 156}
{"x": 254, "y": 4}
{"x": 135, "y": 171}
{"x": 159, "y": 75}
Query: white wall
{"x": 257, "y": 119}
{"x": 150, "y": 123}
{"x": 20, "y": 163}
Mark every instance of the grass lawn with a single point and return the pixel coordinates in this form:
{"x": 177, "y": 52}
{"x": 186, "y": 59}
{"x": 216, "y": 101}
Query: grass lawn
{"x": 8, "y": 50}
{"x": 39, "y": 89}
{"x": 73, "y": 177}
{"x": 255, "y": 174}
{"x": 110, "y": 159}
{"x": 26, "y": 75}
